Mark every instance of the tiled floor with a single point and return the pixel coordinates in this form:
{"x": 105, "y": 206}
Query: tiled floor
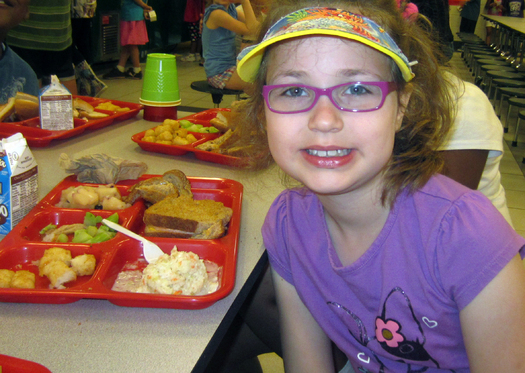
{"x": 512, "y": 169}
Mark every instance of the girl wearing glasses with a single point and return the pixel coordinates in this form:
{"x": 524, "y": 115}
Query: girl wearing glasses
{"x": 403, "y": 269}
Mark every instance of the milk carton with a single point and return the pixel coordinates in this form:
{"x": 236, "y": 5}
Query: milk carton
{"x": 18, "y": 181}
{"x": 56, "y": 107}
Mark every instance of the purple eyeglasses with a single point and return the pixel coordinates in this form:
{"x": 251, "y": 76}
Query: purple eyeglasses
{"x": 352, "y": 96}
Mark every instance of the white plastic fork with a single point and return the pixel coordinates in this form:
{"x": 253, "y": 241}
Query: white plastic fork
{"x": 151, "y": 251}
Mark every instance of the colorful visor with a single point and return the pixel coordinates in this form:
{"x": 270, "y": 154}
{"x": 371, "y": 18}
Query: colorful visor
{"x": 323, "y": 21}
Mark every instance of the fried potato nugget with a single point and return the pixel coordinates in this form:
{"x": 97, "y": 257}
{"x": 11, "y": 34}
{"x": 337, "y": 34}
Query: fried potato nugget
{"x": 5, "y": 277}
{"x": 23, "y": 280}
{"x": 84, "y": 265}
{"x": 52, "y": 255}
{"x": 59, "y": 273}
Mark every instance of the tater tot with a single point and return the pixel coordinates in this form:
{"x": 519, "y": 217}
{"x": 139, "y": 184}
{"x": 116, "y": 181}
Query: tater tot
{"x": 23, "y": 280}
{"x": 191, "y": 138}
{"x": 163, "y": 142}
{"x": 5, "y": 277}
{"x": 54, "y": 254}
{"x": 149, "y": 138}
{"x": 165, "y": 136}
{"x": 159, "y": 129}
{"x": 59, "y": 273}
{"x": 84, "y": 265}
{"x": 181, "y": 132}
{"x": 174, "y": 124}
{"x": 149, "y": 132}
{"x": 180, "y": 141}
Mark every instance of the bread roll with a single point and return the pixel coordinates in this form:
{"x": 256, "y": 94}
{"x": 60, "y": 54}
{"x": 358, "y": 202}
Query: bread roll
{"x": 26, "y": 106}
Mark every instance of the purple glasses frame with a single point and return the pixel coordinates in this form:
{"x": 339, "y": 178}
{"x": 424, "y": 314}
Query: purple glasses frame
{"x": 386, "y": 88}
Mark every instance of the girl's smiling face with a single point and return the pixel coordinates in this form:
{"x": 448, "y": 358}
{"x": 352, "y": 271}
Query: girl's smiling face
{"x": 303, "y": 144}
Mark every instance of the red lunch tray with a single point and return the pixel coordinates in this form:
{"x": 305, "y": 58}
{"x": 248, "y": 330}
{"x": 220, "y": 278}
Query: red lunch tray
{"x": 203, "y": 118}
{"x": 38, "y": 137}
{"x": 22, "y": 247}
{"x": 11, "y": 364}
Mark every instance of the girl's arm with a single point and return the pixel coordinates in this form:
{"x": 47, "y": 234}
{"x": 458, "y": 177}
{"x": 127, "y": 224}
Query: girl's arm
{"x": 306, "y": 348}
{"x": 219, "y": 18}
{"x": 493, "y": 324}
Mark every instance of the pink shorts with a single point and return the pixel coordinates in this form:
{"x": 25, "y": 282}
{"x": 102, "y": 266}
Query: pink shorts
{"x": 133, "y": 33}
{"x": 220, "y": 80}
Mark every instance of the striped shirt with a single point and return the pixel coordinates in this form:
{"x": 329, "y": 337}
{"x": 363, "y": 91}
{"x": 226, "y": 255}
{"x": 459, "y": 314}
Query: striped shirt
{"x": 48, "y": 27}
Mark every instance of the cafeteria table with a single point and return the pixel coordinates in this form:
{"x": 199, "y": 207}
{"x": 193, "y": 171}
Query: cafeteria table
{"x": 97, "y": 336}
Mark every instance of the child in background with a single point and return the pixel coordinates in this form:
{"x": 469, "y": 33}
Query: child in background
{"x": 221, "y": 23}
{"x": 192, "y": 15}
{"x": 493, "y": 8}
{"x": 17, "y": 75}
{"x": 132, "y": 34}
{"x": 405, "y": 270}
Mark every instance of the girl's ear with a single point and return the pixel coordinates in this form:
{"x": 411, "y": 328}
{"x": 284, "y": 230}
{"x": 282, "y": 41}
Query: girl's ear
{"x": 404, "y": 98}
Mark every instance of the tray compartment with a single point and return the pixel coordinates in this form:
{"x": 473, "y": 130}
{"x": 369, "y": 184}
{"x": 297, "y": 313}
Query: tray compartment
{"x": 18, "y": 250}
{"x": 26, "y": 257}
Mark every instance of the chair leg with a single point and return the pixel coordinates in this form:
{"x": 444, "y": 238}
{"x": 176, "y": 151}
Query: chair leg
{"x": 515, "y": 142}
{"x": 217, "y": 99}
{"x": 506, "y": 127}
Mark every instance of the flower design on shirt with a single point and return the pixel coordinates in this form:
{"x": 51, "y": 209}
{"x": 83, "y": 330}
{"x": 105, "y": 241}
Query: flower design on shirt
{"x": 388, "y": 332}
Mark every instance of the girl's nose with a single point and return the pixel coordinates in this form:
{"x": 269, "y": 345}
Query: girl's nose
{"x": 325, "y": 117}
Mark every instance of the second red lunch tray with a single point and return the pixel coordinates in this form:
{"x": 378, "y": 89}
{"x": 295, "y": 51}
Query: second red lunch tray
{"x": 38, "y": 137}
{"x": 203, "y": 118}
{"x": 22, "y": 247}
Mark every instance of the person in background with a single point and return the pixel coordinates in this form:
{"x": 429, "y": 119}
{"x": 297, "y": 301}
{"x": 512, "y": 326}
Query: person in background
{"x": 192, "y": 16}
{"x": 437, "y": 12}
{"x": 493, "y": 8}
{"x": 221, "y": 23}
{"x": 88, "y": 84}
{"x": 44, "y": 41}
{"x": 375, "y": 250}
{"x": 469, "y": 16}
{"x": 132, "y": 34}
{"x": 17, "y": 75}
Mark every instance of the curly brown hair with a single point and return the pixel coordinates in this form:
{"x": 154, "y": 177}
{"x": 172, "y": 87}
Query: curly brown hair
{"x": 428, "y": 115}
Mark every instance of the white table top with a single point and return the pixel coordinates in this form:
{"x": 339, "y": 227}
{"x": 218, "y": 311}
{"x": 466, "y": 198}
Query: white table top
{"x": 514, "y": 23}
{"x": 97, "y": 336}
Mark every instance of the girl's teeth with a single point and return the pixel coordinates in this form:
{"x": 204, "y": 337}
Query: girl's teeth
{"x": 328, "y": 153}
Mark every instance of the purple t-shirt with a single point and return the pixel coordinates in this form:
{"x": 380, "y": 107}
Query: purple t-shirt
{"x": 397, "y": 307}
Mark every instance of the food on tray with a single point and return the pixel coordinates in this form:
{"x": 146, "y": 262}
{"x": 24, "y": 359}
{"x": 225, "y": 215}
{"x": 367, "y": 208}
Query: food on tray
{"x": 109, "y": 106}
{"x": 17, "y": 279}
{"x": 185, "y": 217}
{"x": 20, "y": 107}
{"x": 5, "y": 277}
{"x": 54, "y": 254}
{"x": 23, "y": 280}
{"x": 169, "y": 133}
{"x": 58, "y": 266}
{"x": 87, "y": 232}
{"x": 84, "y": 265}
{"x": 155, "y": 189}
{"x": 58, "y": 274}
{"x": 7, "y": 110}
{"x": 87, "y": 197}
{"x": 83, "y": 109}
{"x": 102, "y": 168}
{"x": 26, "y": 106}
{"x": 180, "y": 273}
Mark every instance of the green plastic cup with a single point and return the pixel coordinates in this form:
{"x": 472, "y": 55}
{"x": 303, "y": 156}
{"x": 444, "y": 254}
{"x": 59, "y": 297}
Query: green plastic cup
{"x": 160, "y": 83}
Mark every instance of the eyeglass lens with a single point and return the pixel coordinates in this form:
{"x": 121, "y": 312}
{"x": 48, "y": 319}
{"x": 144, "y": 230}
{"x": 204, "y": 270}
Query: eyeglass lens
{"x": 351, "y": 96}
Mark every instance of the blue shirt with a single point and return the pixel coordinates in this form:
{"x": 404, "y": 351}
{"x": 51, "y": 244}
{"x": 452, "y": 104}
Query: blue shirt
{"x": 130, "y": 11}
{"x": 219, "y": 44}
{"x": 16, "y": 76}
